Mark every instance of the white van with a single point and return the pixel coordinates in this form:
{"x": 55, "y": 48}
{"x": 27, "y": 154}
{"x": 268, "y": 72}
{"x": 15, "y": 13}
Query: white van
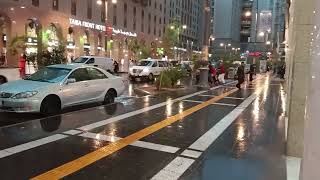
{"x": 96, "y": 61}
{"x": 148, "y": 68}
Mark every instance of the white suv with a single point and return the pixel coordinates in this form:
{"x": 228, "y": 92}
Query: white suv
{"x": 148, "y": 68}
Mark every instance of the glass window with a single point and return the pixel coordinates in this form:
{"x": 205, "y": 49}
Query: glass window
{"x": 74, "y": 7}
{"x": 125, "y": 9}
{"x": 103, "y": 12}
{"x": 145, "y": 63}
{"x": 49, "y": 74}
{"x": 155, "y": 64}
{"x": 35, "y": 3}
{"x": 31, "y": 30}
{"x": 95, "y": 74}
{"x": 91, "y": 61}
{"x": 55, "y": 5}
{"x": 80, "y": 75}
{"x": 115, "y": 15}
{"x": 89, "y": 9}
{"x": 70, "y": 36}
{"x": 80, "y": 60}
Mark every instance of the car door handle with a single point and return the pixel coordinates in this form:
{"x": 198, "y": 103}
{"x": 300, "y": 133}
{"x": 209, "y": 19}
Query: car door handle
{"x": 86, "y": 85}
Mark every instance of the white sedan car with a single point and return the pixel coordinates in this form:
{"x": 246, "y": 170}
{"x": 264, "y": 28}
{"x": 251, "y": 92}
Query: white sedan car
{"x": 58, "y": 86}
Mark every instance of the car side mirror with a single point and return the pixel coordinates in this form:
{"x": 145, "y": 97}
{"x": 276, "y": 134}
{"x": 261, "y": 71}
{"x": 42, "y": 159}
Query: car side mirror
{"x": 71, "y": 80}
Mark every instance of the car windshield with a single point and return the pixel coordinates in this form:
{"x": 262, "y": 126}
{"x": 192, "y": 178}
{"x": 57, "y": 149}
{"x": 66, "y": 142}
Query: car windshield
{"x": 49, "y": 74}
{"x": 145, "y": 63}
{"x": 81, "y": 60}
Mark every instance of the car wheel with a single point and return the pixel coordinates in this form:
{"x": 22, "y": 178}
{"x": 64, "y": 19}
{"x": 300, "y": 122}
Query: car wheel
{"x": 150, "y": 77}
{"x": 2, "y": 80}
{"x": 50, "y": 106}
{"x": 109, "y": 97}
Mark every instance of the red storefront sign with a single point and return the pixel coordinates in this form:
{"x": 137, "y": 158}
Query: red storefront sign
{"x": 255, "y": 54}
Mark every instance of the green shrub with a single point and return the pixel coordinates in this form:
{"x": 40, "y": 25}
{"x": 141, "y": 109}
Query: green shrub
{"x": 163, "y": 81}
{"x": 170, "y": 77}
{"x": 57, "y": 56}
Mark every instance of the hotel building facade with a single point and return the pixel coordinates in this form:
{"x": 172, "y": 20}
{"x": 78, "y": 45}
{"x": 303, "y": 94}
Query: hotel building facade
{"x": 81, "y": 25}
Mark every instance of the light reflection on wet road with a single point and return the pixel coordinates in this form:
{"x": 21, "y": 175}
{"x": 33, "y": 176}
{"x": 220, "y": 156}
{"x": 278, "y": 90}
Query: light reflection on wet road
{"x": 251, "y": 148}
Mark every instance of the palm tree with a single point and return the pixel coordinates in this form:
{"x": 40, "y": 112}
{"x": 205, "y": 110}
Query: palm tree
{"x": 17, "y": 45}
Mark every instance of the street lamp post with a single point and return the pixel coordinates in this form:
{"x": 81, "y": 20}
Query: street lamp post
{"x": 183, "y": 27}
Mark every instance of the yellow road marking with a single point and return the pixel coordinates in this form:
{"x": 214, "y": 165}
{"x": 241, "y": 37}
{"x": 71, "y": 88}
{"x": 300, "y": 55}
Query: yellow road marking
{"x": 86, "y": 160}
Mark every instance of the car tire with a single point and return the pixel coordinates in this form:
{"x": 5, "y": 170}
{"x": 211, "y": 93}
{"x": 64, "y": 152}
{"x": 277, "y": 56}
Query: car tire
{"x": 151, "y": 77}
{"x": 109, "y": 97}
{"x": 2, "y": 80}
{"x": 50, "y": 106}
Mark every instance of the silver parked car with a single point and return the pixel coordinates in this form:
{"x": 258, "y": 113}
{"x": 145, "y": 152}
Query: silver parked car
{"x": 58, "y": 86}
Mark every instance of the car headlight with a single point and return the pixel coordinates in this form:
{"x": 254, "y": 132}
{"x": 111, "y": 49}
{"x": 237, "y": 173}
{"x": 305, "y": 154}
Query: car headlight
{"x": 130, "y": 69}
{"x": 26, "y": 94}
{"x": 146, "y": 70}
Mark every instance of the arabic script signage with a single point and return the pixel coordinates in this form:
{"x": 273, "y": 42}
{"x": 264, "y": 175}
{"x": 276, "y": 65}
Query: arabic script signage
{"x": 99, "y": 27}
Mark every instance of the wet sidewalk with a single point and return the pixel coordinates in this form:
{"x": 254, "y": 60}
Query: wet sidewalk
{"x": 222, "y": 133}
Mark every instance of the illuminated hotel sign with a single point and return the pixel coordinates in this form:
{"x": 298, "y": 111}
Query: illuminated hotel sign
{"x": 87, "y": 24}
{"x": 99, "y": 27}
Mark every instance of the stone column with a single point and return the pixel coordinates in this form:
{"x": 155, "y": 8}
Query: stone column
{"x": 298, "y": 63}
{"x": 311, "y": 153}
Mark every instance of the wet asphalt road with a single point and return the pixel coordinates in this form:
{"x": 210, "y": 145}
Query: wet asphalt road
{"x": 250, "y": 148}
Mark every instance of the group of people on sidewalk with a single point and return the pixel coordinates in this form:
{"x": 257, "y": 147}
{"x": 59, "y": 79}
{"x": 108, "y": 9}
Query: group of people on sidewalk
{"x": 216, "y": 76}
{"x": 240, "y": 75}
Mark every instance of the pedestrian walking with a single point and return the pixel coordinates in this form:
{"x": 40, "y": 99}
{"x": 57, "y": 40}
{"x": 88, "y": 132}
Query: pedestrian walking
{"x": 116, "y": 66}
{"x": 22, "y": 66}
{"x": 252, "y": 72}
{"x": 240, "y": 75}
{"x": 222, "y": 73}
{"x": 212, "y": 75}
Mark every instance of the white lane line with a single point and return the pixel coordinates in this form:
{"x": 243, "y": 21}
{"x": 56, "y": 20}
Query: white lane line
{"x": 193, "y": 101}
{"x": 293, "y": 168}
{"x": 191, "y": 153}
{"x": 178, "y": 166}
{"x": 133, "y": 113}
{"x": 4, "y": 154}
{"x": 224, "y": 104}
{"x": 174, "y": 169}
{"x": 72, "y": 132}
{"x": 234, "y": 98}
{"x": 32, "y": 144}
{"x": 205, "y": 95}
{"x": 210, "y": 136}
{"x": 142, "y": 144}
